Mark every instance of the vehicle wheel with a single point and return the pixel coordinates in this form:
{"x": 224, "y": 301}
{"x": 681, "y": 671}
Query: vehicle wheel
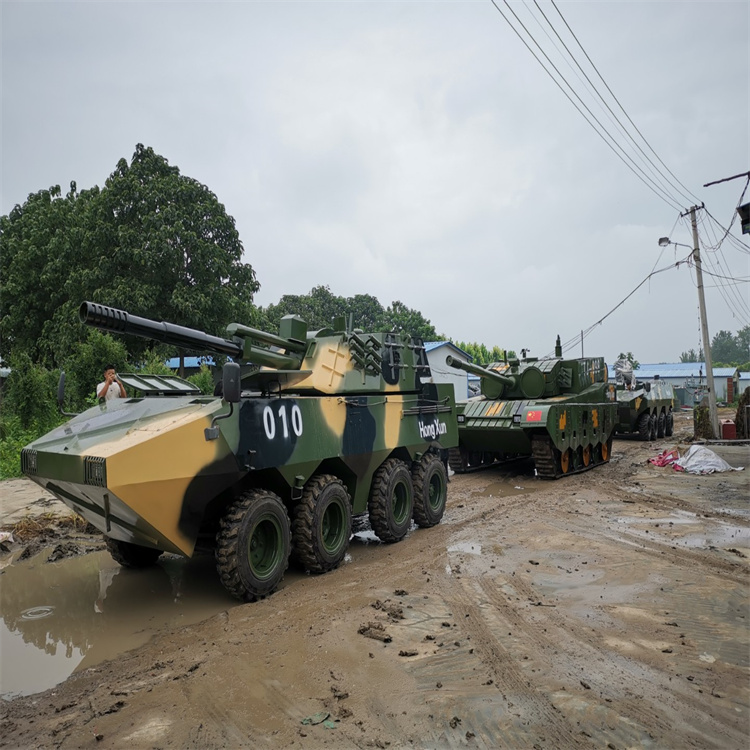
{"x": 564, "y": 461}
{"x": 391, "y": 501}
{"x": 322, "y": 524}
{"x": 606, "y": 450}
{"x": 430, "y": 490}
{"x": 669, "y": 427}
{"x": 131, "y": 555}
{"x": 653, "y": 420}
{"x": 661, "y": 425}
{"x": 253, "y": 545}
{"x": 596, "y": 453}
{"x": 577, "y": 457}
{"x": 644, "y": 426}
{"x": 586, "y": 455}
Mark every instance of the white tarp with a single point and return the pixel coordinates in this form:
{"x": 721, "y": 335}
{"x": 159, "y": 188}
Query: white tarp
{"x": 701, "y": 460}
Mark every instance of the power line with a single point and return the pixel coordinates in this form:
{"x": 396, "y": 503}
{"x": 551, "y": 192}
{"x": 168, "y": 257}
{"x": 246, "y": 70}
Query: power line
{"x": 573, "y": 341}
{"x": 618, "y": 101}
{"x": 668, "y": 199}
{"x": 653, "y": 167}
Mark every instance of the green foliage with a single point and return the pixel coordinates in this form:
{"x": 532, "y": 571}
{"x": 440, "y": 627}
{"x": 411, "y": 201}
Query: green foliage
{"x": 630, "y": 358}
{"x": 30, "y": 394}
{"x": 731, "y": 350}
{"x": 153, "y": 364}
{"x": 481, "y": 355}
{"x": 321, "y": 306}
{"x": 399, "y": 317}
{"x": 13, "y": 437}
{"x": 28, "y": 410}
{"x": 84, "y": 366}
{"x": 203, "y": 379}
{"x": 691, "y": 356}
{"x": 152, "y": 241}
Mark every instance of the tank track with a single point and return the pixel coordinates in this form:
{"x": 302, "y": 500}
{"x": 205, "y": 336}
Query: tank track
{"x": 544, "y": 458}
{"x": 546, "y": 464}
{"x": 456, "y": 461}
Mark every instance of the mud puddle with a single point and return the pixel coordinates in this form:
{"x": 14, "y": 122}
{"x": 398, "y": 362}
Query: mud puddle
{"x": 65, "y": 617}
{"x": 59, "y": 618}
{"x": 687, "y": 529}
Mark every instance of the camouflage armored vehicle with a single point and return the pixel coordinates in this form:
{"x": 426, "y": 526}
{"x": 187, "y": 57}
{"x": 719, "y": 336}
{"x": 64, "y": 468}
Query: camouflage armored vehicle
{"x": 561, "y": 412}
{"x": 643, "y": 408}
{"x": 332, "y": 423}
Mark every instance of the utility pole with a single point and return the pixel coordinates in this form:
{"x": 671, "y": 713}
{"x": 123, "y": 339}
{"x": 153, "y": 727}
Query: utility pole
{"x": 712, "y": 411}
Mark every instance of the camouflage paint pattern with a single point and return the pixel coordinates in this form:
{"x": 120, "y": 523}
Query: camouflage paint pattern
{"x": 546, "y": 408}
{"x": 654, "y": 398}
{"x": 143, "y": 470}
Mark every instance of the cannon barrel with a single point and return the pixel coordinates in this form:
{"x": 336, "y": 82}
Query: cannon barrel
{"x": 119, "y": 321}
{"x": 482, "y": 372}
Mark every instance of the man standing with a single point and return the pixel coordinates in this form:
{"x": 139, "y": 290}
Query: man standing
{"x": 111, "y": 387}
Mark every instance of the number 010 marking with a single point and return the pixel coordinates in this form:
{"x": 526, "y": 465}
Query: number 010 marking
{"x": 270, "y": 420}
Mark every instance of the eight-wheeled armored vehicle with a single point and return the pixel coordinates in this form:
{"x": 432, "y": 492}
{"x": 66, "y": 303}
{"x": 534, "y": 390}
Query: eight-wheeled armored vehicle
{"x": 328, "y": 424}
{"x": 561, "y": 412}
{"x": 643, "y": 408}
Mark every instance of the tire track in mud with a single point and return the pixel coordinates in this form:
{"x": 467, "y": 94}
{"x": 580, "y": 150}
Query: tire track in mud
{"x": 664, "y": 550}
{"x": 675, "y": 700}
{"x": 484, "y": 621}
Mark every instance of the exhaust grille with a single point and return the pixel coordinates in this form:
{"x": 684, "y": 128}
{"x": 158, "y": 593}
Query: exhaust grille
{"x": 95, "y": 471}
{"x": 28, "y": 461}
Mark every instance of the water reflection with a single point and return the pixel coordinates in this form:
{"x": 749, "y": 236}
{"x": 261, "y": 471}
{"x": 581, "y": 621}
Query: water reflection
{"x": 60, "y": 617}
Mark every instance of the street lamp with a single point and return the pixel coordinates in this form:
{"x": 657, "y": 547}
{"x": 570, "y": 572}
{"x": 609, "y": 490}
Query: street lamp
{"x": 663, "y": 242}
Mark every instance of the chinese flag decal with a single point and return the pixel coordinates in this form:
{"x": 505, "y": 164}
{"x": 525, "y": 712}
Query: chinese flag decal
{"x": 533, "y": 416}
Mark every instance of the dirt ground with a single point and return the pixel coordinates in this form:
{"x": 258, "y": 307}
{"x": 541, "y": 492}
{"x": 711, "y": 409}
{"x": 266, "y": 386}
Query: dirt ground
{"x": 606, "y": 610}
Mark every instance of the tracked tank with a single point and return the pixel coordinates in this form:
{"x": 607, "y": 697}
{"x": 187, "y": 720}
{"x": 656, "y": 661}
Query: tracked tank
{"x": 561, "y": 412}
{"x": 644, "y": 408}
{"x": 325, "y": 425}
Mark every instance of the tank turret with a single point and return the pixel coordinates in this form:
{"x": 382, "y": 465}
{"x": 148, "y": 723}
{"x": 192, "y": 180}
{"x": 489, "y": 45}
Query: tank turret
{"x": 331, "y": 360}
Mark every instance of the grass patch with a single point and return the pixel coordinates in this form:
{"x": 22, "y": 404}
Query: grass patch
{"x": 31, "y": 527}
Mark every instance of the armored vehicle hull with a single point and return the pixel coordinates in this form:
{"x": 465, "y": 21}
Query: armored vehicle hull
{"x": 645, "y": 410}
{"x": 273, "y": 470}
{"x": 559, "y": 412}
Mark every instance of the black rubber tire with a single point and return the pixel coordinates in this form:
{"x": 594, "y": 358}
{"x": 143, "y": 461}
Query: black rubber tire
{"x": 322, "y": 525}
{"x": 131, "y": 555}
{"x": 653, "y": 421}
{"x": 669, "y": 427}
{"x": 430, "y": 482}
{"x": 391, "y": 501}
{"x": 661, "y": 425}
{"x": 253, "y": 545}
{"x": 644, "y": 426}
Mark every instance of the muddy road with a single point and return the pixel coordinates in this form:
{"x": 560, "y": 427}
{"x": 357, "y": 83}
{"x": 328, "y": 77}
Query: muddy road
{"x": 607, "y": 610}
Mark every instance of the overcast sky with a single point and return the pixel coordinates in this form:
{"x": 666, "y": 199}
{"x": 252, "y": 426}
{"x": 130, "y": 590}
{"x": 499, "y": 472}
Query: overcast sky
{"x": 415, "y": 151}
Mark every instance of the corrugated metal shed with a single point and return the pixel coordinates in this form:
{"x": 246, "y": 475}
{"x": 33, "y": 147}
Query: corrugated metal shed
{"x": 432, "y": 345}
{"x": 681, "y": 370}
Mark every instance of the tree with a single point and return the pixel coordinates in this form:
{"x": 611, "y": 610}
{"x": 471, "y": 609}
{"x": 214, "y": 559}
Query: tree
{"x": 317, "y": 309}
{"x": 731, "y": 350}
{"x": 321, "y": 306}
{"x": 152, "y": 241}
{"x": 399, "y": 317}
{"x": 481, "y": 355}
{"x": 689, "y": 356}
{"x": 630, "y": 358}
